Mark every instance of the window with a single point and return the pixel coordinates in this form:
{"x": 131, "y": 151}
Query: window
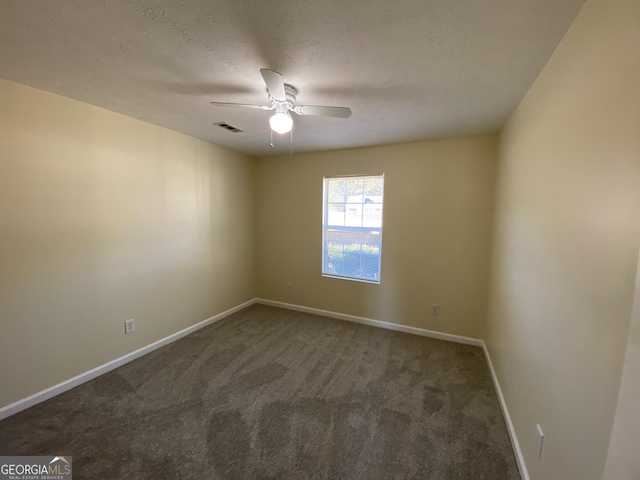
{"x": 352, "y": 227}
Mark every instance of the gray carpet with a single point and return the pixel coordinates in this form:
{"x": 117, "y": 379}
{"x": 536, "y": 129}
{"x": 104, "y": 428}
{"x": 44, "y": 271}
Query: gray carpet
{"x": 274, "y": 394}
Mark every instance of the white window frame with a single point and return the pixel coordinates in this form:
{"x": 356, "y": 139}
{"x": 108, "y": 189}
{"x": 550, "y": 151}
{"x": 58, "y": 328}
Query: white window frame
{"x": 326, "y": 227}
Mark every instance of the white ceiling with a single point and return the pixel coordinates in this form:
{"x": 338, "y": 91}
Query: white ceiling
{"x": 410, "y": 69}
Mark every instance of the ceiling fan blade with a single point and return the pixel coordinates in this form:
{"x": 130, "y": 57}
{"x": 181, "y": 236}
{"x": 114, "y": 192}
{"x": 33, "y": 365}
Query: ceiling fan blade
{"x": 224, "y": 104}
{"x": 275, "y": 83}
{"x": 338, "y": 112}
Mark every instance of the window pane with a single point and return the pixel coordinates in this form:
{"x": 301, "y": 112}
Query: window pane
{"x": 336, "y": 191}
{"x": 335, "y": 214}
{"x": 353, "y": 216}
{"x": 372, "y": 216}
{"x": 355, "y": 187}
{"x": 373, "y": 188}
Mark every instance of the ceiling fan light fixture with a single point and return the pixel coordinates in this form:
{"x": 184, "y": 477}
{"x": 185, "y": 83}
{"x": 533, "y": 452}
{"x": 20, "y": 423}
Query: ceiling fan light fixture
{"x": 281, "y": 122}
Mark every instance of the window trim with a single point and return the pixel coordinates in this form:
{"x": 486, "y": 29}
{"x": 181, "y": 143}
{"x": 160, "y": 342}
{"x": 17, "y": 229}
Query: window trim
{"x": 325, "y": 214}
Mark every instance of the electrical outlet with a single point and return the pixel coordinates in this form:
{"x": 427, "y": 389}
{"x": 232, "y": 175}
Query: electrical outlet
{"x": 289, "y": 286}
{"x": 435, "y": 309}
{"x": 539, "y": 440}
{"x": 130, "y": 326}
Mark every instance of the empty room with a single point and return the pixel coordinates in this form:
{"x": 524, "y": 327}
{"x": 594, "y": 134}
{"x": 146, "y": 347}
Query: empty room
{"x": 320, "y": 240}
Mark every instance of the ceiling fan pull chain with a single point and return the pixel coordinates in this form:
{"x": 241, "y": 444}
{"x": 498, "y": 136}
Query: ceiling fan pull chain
{"x": 271, "y": 142}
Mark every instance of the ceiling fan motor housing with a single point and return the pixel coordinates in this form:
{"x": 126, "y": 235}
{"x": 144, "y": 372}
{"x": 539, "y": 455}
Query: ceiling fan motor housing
{"x": 283, "y": 106}
{"x": 290, "y": 93}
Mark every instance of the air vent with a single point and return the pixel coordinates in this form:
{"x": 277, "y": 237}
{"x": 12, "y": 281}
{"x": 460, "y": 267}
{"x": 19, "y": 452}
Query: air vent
{"x": 226, "y": 126}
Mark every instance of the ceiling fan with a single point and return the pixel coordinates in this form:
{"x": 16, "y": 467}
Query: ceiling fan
{"x": 282, "y": 98}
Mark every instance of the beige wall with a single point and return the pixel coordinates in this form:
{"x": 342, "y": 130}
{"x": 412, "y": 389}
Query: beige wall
{"x": 105, "y": 218}
{"x": 566, "y": 241}
{"x": 435, "y": 245}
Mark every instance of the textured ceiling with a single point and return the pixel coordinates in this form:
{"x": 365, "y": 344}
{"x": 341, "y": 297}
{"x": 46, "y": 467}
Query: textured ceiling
{"x": 410, "y": 69}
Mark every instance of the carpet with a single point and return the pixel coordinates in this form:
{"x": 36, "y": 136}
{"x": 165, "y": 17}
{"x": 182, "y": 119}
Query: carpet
{"x": 269, "y": 393}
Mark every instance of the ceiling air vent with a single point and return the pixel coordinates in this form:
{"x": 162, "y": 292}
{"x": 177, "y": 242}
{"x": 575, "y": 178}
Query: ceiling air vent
{"x": 226, "y": 126}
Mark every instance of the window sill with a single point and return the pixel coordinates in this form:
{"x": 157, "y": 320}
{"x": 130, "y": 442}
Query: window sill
{"x": 353, "y": 279}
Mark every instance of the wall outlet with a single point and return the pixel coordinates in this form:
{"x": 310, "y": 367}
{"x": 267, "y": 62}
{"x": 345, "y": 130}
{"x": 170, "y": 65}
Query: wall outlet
{"x": 289, "y": 286}
{"x": 539, "y": 440}
{"x": 435, "y": 309}
{"x": 130, "y": 326}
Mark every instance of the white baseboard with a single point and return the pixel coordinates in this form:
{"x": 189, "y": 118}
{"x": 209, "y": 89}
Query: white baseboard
{"x": 50, "y": 392}
{"x": 524, "y": 473}
{"x": 375, "y": 323}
